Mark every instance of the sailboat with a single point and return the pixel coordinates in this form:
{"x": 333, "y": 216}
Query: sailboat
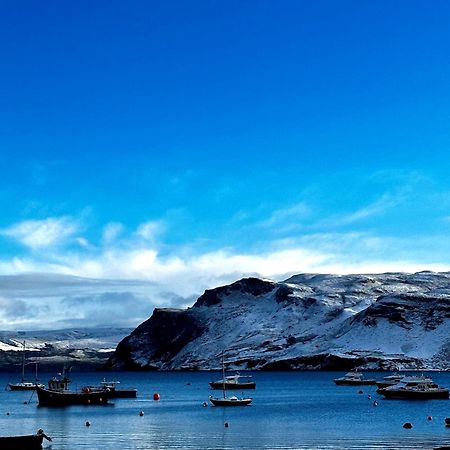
{"x": 25, "y": 385}
{"x": 228, "y": 401}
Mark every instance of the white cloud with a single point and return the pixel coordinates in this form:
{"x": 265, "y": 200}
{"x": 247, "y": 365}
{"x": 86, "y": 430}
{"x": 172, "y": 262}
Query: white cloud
{"x": 378, "y": 207}
{"x": 134, "y": 266}
{"x": 295, "y": 213}
{"x": 111, "y": 232}
{"x": 149, "y": 231}
{"x": 37, "y": 234}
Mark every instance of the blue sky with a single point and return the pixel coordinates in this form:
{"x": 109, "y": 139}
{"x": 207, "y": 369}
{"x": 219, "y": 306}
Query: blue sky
{"x": 187, "y": 144}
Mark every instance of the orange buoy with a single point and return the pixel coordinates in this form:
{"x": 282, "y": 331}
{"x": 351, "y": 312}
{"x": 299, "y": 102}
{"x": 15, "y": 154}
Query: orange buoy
{"x": 156, "y": 396}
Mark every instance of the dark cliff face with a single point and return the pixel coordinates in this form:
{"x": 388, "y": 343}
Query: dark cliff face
{"x": 407, "y": 310}
{"x": 308, "y": 322}
{"x": 252, "y": 286}
{"x": 161, "y": 337}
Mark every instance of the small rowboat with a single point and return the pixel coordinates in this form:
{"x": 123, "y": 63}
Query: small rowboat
{"x": 27, "y": 442}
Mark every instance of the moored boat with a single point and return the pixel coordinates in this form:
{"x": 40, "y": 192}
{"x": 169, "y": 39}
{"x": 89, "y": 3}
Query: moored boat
{"x": 58, "y": 394}
{"x": 424, "y": 390}
{"x": 110, "y": 389}
{"x": 394, "y": 379}
{"x": 354, "y": 379}
{"x": 235, "y": 382}
{"x": 228, "y": 401}
{"x": 389, "y": 380}
{"x": 25, "y": 442}
{"x": 25, "y": 385}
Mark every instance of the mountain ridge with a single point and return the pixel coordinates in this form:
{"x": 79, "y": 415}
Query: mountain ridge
{"x": 309, "y": 321}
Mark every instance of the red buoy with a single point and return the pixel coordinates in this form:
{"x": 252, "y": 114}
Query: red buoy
{"x": 156, "y": 396}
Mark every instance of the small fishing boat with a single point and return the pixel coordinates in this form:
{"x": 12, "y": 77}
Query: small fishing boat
{"x": 110, "y": 389}
{"x": 25, "y": 385}
{"x": 425, "y": 390}
{"x": 58, "y": 394}
{"x": 228, "y": 401}
{"x": 353, "y": 379}
{"x": 27, "y": 442}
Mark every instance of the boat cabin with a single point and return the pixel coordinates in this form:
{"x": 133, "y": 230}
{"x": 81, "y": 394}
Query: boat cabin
{"x": 56, "y": 384}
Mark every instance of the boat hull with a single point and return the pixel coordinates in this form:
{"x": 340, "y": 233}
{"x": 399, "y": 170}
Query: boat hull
{"x": 21, "y": 387}
{"x": 48, "y": 397}
{"x": 30, "y": 442}
{"x": 230, "y": 402}
{"x": 233, "y": 386}
{"x": 340, "y": 382}
{"x": 117, "y": 393}
{"x": 123, "y": 393}
{"x": 415, "y": 395}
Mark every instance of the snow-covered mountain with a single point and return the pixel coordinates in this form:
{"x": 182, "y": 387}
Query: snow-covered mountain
{"x": 305, "y": 322}
{"x": 81, "y": 347}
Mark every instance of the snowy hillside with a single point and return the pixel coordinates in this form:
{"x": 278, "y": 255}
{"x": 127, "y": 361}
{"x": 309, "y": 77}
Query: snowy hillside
{"x": 81, "y": 347}
{"x": 308, "y": 321}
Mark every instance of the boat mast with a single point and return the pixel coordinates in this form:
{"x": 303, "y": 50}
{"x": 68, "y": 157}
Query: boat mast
{"x": 223, "y": 375}
{"x": 23, "y": 362}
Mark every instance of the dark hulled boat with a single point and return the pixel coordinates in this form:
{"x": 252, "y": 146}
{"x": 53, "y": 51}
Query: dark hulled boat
{"x": 230, "y": 401}
{"x": 26, "y": 442}
{"x": 58, "y": 394}
{"x": 424, "y": 390}
{"x": 353, "y": 379}
{"x": 110, "y": 389}
{"x": 235, "y": 382}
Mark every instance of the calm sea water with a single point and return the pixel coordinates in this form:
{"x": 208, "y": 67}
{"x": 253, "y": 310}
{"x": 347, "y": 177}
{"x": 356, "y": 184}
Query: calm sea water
{"x": 295, "y": 410}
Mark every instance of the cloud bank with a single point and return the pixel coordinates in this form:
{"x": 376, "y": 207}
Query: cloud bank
{"x": 61, "y": 277}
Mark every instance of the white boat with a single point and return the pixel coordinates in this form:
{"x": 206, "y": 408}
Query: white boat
{"x": 397, "y": 378}
{"x": 25, "y": 385}
{"x": 353, "y": 379}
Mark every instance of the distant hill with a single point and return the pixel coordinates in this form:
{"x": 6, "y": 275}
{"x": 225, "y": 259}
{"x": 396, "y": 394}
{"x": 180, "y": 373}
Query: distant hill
{"x": 81, "y": 348}
{"x": 309, "y": 321}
